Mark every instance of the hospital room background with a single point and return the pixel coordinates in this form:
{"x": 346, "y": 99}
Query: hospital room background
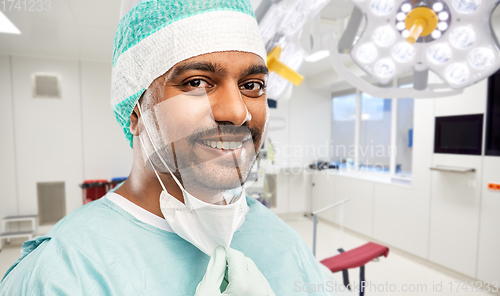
{"x": 377, "y": 160}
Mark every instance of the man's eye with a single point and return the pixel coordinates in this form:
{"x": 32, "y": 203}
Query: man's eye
{"x": 252, "y": 86}
{"x": 197, "y": 83}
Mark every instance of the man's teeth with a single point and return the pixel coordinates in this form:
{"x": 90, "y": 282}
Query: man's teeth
{"x": 223, "y": 145}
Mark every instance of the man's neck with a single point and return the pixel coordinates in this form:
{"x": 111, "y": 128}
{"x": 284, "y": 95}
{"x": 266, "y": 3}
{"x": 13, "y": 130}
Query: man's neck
{"x": 144, "y": 189}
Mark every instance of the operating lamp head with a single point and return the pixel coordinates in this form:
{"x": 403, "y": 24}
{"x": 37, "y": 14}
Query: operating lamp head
{"x": 452, "y": 38}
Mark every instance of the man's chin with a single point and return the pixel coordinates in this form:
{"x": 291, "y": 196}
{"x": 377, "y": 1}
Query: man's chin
{"x": 214, "y": 180}
{"x": 220, "y": 184}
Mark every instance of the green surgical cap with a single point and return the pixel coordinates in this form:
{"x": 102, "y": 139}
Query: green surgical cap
{"x": 157, "y": 34}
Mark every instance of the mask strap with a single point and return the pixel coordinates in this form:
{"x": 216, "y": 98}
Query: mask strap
{"x": 248, "y": 118}
{"x": 151, "y": 163}
{"x": 156, "y": 150}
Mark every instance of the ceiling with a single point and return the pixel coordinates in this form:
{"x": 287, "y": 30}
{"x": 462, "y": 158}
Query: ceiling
{"x": 84, "y": 29}
{"x": 74, "y": 29}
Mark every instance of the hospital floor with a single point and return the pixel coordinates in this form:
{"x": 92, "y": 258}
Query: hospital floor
{"x": 389, "y": 276}
{"x": 397, "y": 274}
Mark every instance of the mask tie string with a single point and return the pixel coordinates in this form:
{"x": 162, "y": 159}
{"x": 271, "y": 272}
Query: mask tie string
{"x": 156, "y": 150}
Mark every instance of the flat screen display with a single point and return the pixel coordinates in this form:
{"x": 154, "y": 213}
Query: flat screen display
{"x": 493, "y": 116}
{"x": 459, "y": 134}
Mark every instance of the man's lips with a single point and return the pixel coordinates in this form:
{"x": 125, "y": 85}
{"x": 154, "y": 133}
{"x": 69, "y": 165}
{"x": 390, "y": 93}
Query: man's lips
{"x": 225, "y": 142}
{"x": 228, "y": 151}
{"x": 225, "y": 138}
{"x": 223, "y": 145}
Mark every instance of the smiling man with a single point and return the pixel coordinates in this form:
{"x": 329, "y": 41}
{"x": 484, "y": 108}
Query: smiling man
{"x": 188, "y": 89}
{"x": 210, "y": 114}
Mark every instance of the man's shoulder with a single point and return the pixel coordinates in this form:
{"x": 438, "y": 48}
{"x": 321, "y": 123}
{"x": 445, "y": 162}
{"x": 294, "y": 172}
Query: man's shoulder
{"x": 49, "y": 266}
{"x": 69, "y": 246}
{"x": 77, "y": 214}
{"x": 257, "y": 208}
{"x": 84, "y": 219}
{"x": 262, "y": 214}
{"x": 261, "y": 221}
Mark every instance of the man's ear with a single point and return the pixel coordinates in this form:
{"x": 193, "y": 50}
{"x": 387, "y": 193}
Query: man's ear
{"x": 134, "y": 122}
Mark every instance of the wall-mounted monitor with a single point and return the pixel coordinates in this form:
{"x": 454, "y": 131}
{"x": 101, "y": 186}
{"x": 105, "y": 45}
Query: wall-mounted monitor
{"x": 492, "y": 146}
{"x": 459, "y": 134}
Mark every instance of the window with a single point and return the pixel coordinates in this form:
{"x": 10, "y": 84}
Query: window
{"x": 378, "y": 138}
{"x": 343, "y": 127}
{"x": 404, "y": 137}
{"x": 375, "y": 134}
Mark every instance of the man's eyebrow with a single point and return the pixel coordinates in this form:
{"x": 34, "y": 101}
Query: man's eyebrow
{"x": 208, "y": 66}
{"x": 256, "y": 69}
{"x": 198, "y": 66}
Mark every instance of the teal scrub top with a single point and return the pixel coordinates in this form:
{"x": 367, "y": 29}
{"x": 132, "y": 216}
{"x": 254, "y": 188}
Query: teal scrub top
{"x": 100, "y": 249}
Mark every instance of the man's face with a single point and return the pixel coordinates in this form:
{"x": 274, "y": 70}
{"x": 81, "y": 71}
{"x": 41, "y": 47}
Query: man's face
{"x": 209, "y": 115}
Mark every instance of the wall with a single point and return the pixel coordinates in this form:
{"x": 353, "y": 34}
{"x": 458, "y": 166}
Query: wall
{"x": 456, "y": 198}
{"x": 409, "y": 206}
{"x": 448, "y": 218}
{"x": 85, "y": 142}
{"x": 8, "y": 182}
{"x": 49, "y": 140}
{"x": 489, "y": 230}
{"x": 48, "y": 132}
{"x": 306, "y": 118}
{"x": 106, "y": 151}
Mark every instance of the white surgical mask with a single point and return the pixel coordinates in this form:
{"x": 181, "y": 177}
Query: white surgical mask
{"x": 204, "y": 225}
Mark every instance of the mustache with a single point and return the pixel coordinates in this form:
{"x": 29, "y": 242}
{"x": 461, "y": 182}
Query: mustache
{"x": 169, "y": 151}
{"x": 221, "y": 130}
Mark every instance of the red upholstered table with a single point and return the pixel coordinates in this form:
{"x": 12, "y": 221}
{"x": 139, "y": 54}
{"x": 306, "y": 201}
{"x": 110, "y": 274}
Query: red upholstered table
{"x": 354, "y": 258}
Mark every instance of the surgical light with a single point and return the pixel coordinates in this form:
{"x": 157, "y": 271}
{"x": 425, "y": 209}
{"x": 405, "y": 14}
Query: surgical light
{"x": 451, "y": 38}
{"x": 382, "y": 7}
{"x": 441, "y": 36}
{"x": 367, "y": 53}
{"x": 384, "y": 36}
{"x": 457, "y": 73}
{"x": 406, "y": 7}
{"x": 437, "y": 7}
{"x": 403, "y": 52}
{"x": 281, "y": 24}
{"x": 385, "y": 68}
{"x": 481, "y": 58}
{"x": 401, "y": 16}
{"x": 436, "y": 34}
{"x": 443, "y": 16}
{"x": 466, "y": 6}
{"x": 442, "y": 26}
{"x": 462, "y": 37}
{"x": 439, "y": 53}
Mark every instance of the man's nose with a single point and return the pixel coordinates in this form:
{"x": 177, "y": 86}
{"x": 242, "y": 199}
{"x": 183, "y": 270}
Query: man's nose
{"x": 228, "y": 106}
